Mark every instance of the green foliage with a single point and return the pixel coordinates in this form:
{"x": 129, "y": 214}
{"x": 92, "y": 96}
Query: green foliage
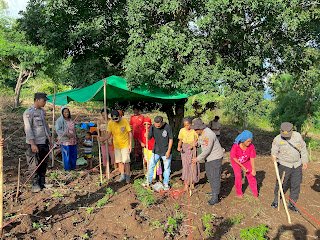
{"x": 254, "y": 233}
{"x": 207, "y": 220}
{"x": 85, "y": 236}
{"x": 236, "y": 219}
{"x": 37, "y": 225}
{"x": 173, "y": 223}
{"x": 145, "y": 196}
{"x": 103, "y": 201}
{"x": 156, "y": 224}
{"x": 57, "y": 194}
{"x": 54, "y": 175}
{"x": 90, "y": 210}
{"x": 92, "y": 36}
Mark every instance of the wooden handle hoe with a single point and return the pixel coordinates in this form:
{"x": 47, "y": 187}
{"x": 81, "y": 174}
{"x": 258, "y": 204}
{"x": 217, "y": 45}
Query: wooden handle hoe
{"x": 281, "y": 191}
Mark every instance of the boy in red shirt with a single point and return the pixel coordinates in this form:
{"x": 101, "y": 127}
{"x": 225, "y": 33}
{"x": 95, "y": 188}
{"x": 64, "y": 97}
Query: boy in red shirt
{"x": 136, "y": 122}
{"x": 147, "y": 152}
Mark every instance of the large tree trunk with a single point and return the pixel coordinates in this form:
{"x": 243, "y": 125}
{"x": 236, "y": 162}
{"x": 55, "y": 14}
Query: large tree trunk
{"x": 24, "y": 76}
{"x": 175, "y": 114}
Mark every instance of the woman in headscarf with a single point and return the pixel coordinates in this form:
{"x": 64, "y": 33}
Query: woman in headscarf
{"x": 66, "y": 131}
{"x": 242, "y": 158}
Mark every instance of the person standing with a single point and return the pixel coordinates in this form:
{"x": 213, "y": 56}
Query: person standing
{"x": 147, "y": 148}
{"x": 242, "y": 157}
{"x": 103, "y": 133}
{"x": 290, "y": 151}
{"x": 37, "y": 137}
{"x": 119, "y": 129}
{"x": 136, "y": 123}
{"x": 162, "y": 133}
{"x": 212, "y": 155}
{"x": 215, "y": 126}
{"x": 65, "y": 128}
{"x": 187, "y": 143}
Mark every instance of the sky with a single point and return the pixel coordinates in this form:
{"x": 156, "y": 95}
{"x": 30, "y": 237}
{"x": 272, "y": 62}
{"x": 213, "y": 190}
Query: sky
{"x": 14, "y": 6}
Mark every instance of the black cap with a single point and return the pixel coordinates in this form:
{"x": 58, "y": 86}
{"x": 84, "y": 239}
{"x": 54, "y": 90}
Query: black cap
{"x": 158, "y": 119}
{"x": 40, "y": 95}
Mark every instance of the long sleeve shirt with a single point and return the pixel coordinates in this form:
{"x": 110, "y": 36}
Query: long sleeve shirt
{"x": 210, "y": 146}
{"x": 287, "y": 155}
{"x": 35, "y": 125}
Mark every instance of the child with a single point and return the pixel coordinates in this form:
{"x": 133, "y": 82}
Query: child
{"x": 147, "y": 152}
{"x": 187, "y": 142}
{"x": 88, "y": 144}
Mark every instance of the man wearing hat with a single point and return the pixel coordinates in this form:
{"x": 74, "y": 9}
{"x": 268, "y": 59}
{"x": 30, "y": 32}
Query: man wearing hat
{"x": 120, "y": 130}
{"x": 289, "y": 150}
{"x": 37, "y": 138}
{"x": 212, "y": 155}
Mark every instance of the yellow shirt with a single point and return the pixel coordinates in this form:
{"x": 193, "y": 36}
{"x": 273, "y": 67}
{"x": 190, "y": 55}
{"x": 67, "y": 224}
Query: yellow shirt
{"x": 120, "y": 133}
{"x": 188, "y": 136}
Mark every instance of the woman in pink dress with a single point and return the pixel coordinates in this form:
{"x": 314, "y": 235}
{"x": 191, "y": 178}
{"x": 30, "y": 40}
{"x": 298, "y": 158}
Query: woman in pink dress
{"x": 242, "y": 157}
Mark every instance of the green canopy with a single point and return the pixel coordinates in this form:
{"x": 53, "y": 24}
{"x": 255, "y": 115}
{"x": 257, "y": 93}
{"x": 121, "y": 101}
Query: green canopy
{"x": 117, "y": 91}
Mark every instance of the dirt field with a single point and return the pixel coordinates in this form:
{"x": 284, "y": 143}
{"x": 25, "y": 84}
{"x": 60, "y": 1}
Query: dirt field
{"x": 69, "y": 210}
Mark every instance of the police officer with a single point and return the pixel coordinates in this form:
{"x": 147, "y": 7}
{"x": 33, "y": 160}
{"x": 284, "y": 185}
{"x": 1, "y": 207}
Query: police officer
{"x": 37, "y": 138}
{"x": 289, "y": 150}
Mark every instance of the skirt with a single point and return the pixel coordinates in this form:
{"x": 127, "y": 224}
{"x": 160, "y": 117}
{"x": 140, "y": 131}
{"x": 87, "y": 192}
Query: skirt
{"x": 190, "y": 172}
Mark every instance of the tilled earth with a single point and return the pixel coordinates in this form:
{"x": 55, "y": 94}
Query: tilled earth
{"x": 69, "y": 209}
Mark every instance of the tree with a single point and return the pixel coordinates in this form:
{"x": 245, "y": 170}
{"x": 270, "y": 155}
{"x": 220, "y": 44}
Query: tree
{"x": 92, "y": 34}
{"x": 297, "y": 95}
{"x": 248, "y": 40}
{"x": 19, "y": 59}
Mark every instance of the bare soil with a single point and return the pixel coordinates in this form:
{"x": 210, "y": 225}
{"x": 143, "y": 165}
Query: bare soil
{"x": 63, "y": 212}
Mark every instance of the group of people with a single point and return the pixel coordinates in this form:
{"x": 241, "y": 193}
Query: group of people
{"x": 197, "y": 143}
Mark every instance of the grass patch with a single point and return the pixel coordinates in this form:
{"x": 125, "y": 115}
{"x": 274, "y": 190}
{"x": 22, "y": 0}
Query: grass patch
{"x": 145, "y": 196}
{"x": 57, "y": 194}
{"x": 254, "y": 233}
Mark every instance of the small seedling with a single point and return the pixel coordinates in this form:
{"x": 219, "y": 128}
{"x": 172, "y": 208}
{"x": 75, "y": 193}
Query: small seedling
{"x": 156, "y": 224}
{"x": 37, "y": 225}
{"x": 236, "y": 219}
{"x": 85, "y": 236}
{"x": 54, "y": 175}
{"x": 145, "y": 196}
{"x": 254, "y": 233}
{"x": 171, "y": 226}
{"x": 56, "y": 194}
{"x": 103, "y": 201}
{"x": 109, "y": 191}
{"x": 89, "y": 210}
{"x": 9, "y": 215}
{"x": 176, "y": 206}
{"x": 207, "y": 220}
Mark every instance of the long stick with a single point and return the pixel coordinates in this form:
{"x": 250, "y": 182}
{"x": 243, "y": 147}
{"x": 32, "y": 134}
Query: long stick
{"x": 281, "y": 191}
{"x": 99, "y": 146}
{"x": 282, "y": 179}
{"x": 18, "y": 185}
{"x": 145, "y": 169}
{"x": 106, "y": 119}
{"x": 53, "y": 120}
{"x": 1, "y": 181}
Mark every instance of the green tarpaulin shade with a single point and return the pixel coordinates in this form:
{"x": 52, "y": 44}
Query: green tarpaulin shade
{"x": 117, "y": 91}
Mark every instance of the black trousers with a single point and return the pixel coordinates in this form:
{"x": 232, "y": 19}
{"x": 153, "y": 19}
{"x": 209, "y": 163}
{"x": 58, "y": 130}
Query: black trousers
{"x": 213, "y": 172}
{"x": 33, "y": 159}
{"x": 292, "y": 181}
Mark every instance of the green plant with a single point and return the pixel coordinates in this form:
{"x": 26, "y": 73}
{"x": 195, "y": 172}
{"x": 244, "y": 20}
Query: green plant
{"x": 109, "y": 191}
{"x": 103, "y": 201}
{"x": 85, "y": 236}
{"x": 171, "y": 225}
{"x": 207, "y": 220}
{"x": 176, "y": 206}
{"x": 37, "y": 225}
{"x": 54, "y": 175}
{"x": 236, "y": 219}
{"x": 145, "y": 196}
{"x": 156, "y": 224}
{"x": 254, "y": 233}
{"x": 56, "y": 194}
{"x": 89, "y": 210}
